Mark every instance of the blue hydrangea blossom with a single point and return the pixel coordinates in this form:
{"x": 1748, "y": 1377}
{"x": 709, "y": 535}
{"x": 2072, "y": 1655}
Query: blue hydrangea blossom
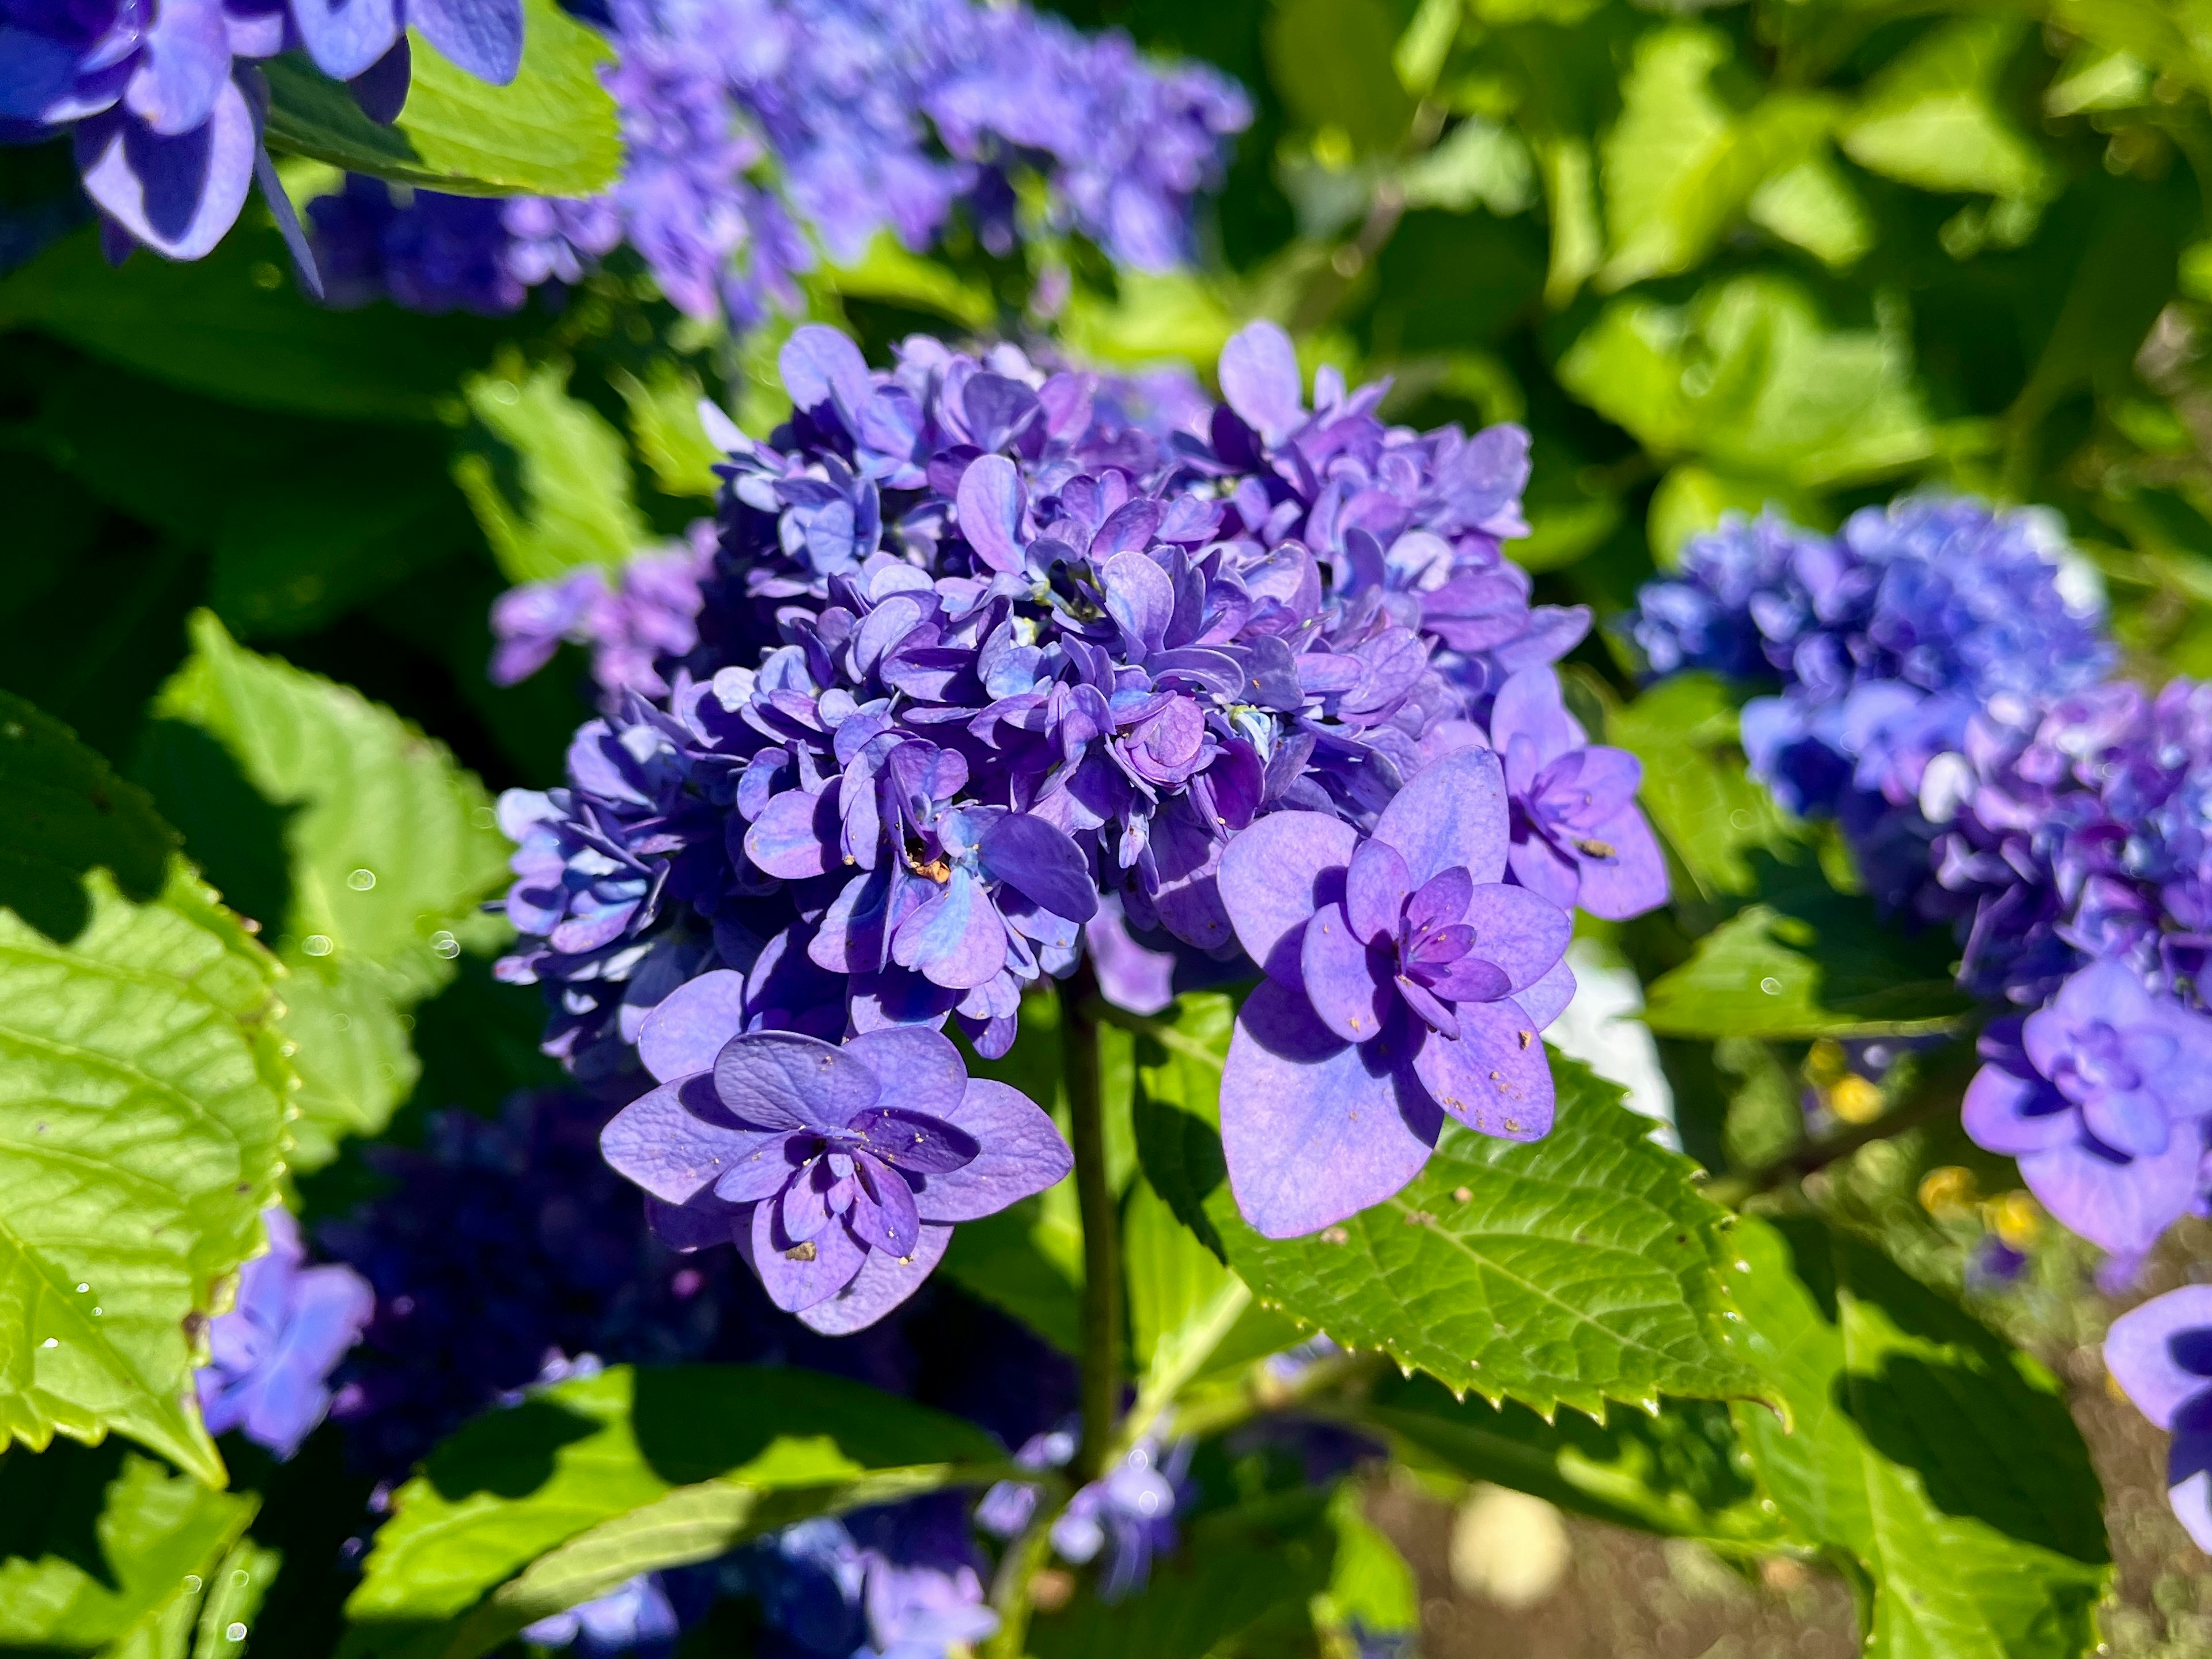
{"x": 270, "y": 1356}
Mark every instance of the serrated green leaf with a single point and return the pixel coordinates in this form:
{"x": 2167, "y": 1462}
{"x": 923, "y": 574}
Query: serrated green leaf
{"x": 1941, "y": 1460}
{"x": 1581, "y": 1268}
{"x": 553, "y": 130}
{"x": 1682, "y": 1473}
{"x": 65, "y": 811}
{"x": 626, "y": 1471}
{"x": 569, "y": 501}
{"x": 142, "y": 1095}
{"x": 105, "y": 1549}
{"x": 1929, "y": 119}
{"x": 368, "y": 847}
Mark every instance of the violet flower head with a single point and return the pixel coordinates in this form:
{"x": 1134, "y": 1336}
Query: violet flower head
{"x": 270, "y": 1356}
{"x": 2160, "y": 1354}
{"x": 631, "y": 1618}
{"x": 648, "y": 612}
{"x": 838, "y": 1172}
{"x": 1405, "y": 981}
{"x": 1578, "y": 836}
{"x": 1127, "y": 1514}
{"x": 2098, "y": 1096}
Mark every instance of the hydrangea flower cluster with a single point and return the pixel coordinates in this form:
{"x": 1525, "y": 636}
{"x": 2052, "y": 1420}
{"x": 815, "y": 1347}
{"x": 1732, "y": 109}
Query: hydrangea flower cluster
{"x": 165, "y": 108}
{"x": 2160, "y": 1354}
{"x": 271, "y": 1355}
{"x": 981, "y": 658}
{"x": 648, "y": 611}
{"x": 759, "y": 131}
{"x": 1123, "y": 1519}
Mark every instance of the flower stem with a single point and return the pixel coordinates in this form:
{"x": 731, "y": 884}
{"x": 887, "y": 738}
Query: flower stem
{"x": 1101, "y": 1267}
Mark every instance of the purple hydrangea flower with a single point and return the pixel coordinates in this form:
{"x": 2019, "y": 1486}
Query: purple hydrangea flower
{"x": 1127, "y": 1514}
{"x": 2160, "y": 1354}
{"x": 270, "y": 1356}
{"x": 2096, "y": 1095}
{"x": 895, "y": 1583}
{"x": 651, "y": 612}
{"x": 838, "y": 1172}
{"x": 1404, "y": 981}
{"x": 1578, "y": 836}
{"x": 631, "y": 1617}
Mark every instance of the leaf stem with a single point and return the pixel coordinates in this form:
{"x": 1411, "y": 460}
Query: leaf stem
{"x": 1101, "y": 1267}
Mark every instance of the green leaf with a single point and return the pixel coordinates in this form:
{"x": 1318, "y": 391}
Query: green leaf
{"x": 534, "y": 1508}
{"x": 1026, "y": 1261}
{"x": 1479, "y": 163}
{"x": 1939, "y": 1460}
{"x": 1369, "y": 1584}
{"x": 887, "y": 271}
{"x": 553, "y": 130}
{"x": 1331, "y": 61}
{"x": 568, "y": 500}
{"x": 663, "y": 422}
{"x": 1170, "y": 1273}
{"x": 1696, "y": 786}
{"x": 105, "y": 1549}
{"x": 1682, "y": 1473}
{"x": 367, "y": 848}
{"x": 235, "y": 1591}
{"x": 1749, "y": 377}
{"x": 233, "y": 326}
{"x": 142, "y": 1095}
{"x": 1577, "y": 244}
{"x": 66, "y": 811}
{"x": 1813, "y": 964}
{"x": 1813, "y": 206}
{"x": 1930, "y": 118}
{"x": 1582, "y": 1267}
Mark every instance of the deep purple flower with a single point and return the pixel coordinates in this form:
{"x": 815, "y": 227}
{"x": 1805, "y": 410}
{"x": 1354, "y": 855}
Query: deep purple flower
{"x": 2160, "y": 1354}
{"x": 1404, "y": 981}
{"x": 1127, "y": 1514}
{"x": 649, "y": 613}
{"x": 270, "y": 1356}
{"x": 838, "y": 1172}
{"x": 2097, "y": 1096}
{"x": 1578, "y": 836}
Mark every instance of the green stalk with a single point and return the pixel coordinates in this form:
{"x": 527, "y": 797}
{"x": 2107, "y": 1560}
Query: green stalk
{"x": 1102, "y": 1265}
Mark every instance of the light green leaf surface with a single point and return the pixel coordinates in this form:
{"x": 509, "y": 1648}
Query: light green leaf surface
{"x": 1480, "y": 163}
{"x": 1332, "y": 62}
{"x": 574, "y": 505}
{"x": 1369, "y": 1584}
{"x": 534, "y": 1508}
{"x": 1581, "y": 1268}
{"x": 371, "y": 848}
{"x": 552, "y": 130}
{"x": 105, "y": 1549}
{"x": 1938, "y": 1459}
{"x": 663, "y": 422}
{"x": 1930, "y": 118}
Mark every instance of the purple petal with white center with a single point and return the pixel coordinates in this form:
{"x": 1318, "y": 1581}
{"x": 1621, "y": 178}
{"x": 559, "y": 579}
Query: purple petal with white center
{"x": 2123, "y": 1204}
{"x": 781, "y": 1080}
{"x": 1521, "y": 932}
{"x": 991, "y": 501}
{"x": 1374, "y": 889}
{"x": 884, "y": 1217}
{"x": 484, "y": 37}
{"x": 179, "y": 195}
{"x": 346, "y": 37}
{"x": 1547, "y": 999}
{"x": 1274, "y": 874}
{"x": 677, "y": 1140}
{"x": 1315, "y": 1130}
{"x": 799, "y": 1273}
{"x": 919, "y": 1064}
{"x": 1020, "y": 1153}
{"x": 1339, "y": 978}
{"x": 1452, "y": 813}
{"x": 1260, "y": 380}
{"x": 2161, "y": 1353}
{"x": 955, "y": 939}
{"x": 689, "y": 1026}
{"x": 1496, "y": 1077}
{"x": 882, "y": 1283}
{"x": 798, "y": 834}
{"x": 1039, "y": 860}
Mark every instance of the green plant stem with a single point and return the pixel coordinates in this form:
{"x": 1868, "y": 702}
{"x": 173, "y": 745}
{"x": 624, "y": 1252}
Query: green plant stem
{"x": 1011, "y": 1589}
{"x": 1102, "y": 1265}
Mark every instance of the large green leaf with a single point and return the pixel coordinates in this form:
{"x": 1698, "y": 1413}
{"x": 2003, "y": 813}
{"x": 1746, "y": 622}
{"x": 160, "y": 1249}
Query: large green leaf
{"x": 547, "y": 1503}
{"x": 1331, "y": 61}
{"x": 142, "y": 1097}
{"x": 552, "y": 130}
{"x": 1582, "y": 1268}
{"x": 1931, "y": 118}
{"x": 367, "y": 848}
{"x": 104, "y": 1549}
{"x": 567, "y": 501}
{"x": 1924, "y": 1449}
{"x": 62, "y": 810}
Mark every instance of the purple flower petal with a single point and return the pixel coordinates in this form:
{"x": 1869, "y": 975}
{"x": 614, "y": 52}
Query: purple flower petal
{"x": 2161, "y": 1353}
{"x": 1471, "y": 979}
{"x": 1496, "y": 1077}
{"x": 919, "y": 1069}
{"x": 1038, "y": 861}
{"x": 346, "y": 37}
{"x": 884, "y": 1217}
{"x": 1629, "y": 878}
{"x": 991, "y": 501}
{"x": 802, "y": 1209}
{"x": 884, "y": 1281}
{"x": 1530, "y": 706}
{"x": 678, "y": 1139}
{"x": 1547, "y": 999}
{"x": 798, "y": 834}
{"x": 1130, "y": 975}
{"x": 689, "y": 1026}
{"x": 1141, "y": 600}
{"x": 799, "y": 1273}
{"x": 1274, "y": 874}
{"x": 179, "y": 195}
{"x": 2005, "y": 1111}
{"x": 1452, "y": 813}
{"x": 1523, "y": 934}
{"x": 1375, "y": 890}
{"x": 781, "y": 1080}
{"x": 1020, "y": 1153}
{"x": 484, "y": 37}
{"x": 1441, "y": 901}
{"x": 915, "y": 1142}
{"x": 955, "y": 939}
{"x": 1339, "y": 979}
{"x": 820, "y": 366}
{"x": 2120, "y": 1203}
{"x": 183, "y": 64}
{"x": 1315, "y": 1130}
{"x": 1543, "y": 870}
{"x": 1260, "y": 380}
